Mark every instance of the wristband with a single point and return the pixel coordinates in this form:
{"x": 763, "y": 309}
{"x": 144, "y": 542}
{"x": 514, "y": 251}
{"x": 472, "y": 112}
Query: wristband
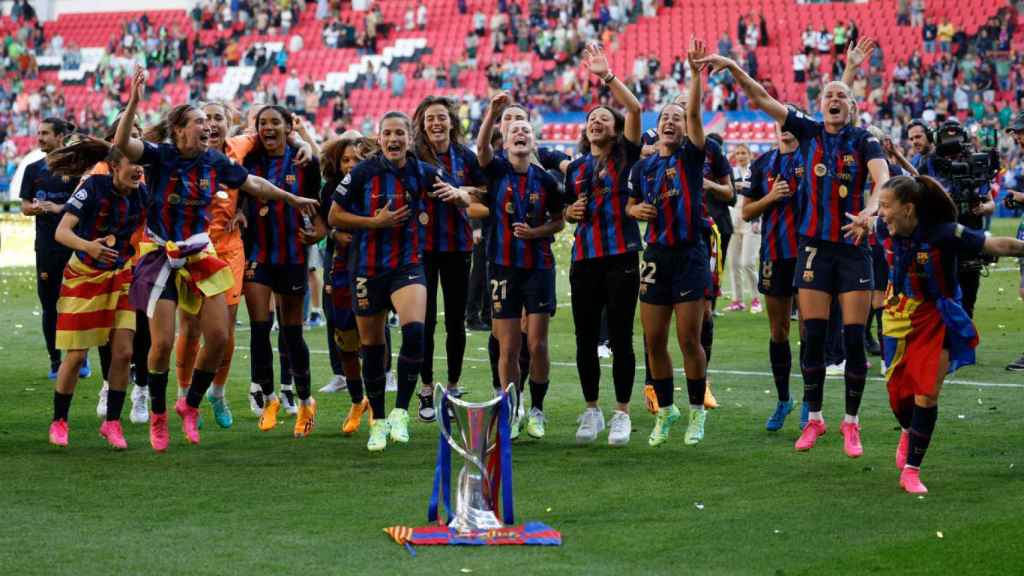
{"x": 608, "y": 78}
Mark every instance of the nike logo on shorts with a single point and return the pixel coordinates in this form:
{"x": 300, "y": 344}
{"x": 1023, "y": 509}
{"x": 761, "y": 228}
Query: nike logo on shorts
{"x": 542, "y": 304}
{"x": 297, "y": 288}
{"x": 684, "y": 294}
{"x": 414, "y": 276}
{"x": 865, "y": 280}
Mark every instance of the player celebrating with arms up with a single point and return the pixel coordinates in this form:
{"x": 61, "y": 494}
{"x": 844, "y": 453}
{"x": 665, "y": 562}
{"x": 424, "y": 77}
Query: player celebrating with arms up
{"x": 604, "y": 273}
{"x": 178, "y": 264}
{"x": 525, "y": 214}
{"x": 838, "y": 158}
{"x": 666, "y": 191}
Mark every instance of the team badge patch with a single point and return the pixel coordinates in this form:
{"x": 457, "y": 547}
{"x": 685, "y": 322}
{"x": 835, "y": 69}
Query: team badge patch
{"x": 289, "y": 179}
{"x": 173, "y": 199}
{"x": 204, "y": 183}
{"x": 808, "y": 275}
{"x": 922, "y": 257}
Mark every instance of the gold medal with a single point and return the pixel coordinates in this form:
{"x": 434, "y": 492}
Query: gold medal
{"x": 820, "y": 170}
{"x": 424, "y": 218}
{"x": 264, "y": 210}
{"x": 509, "y": 208}
{"x": 173, "y": 199}
{"x": 843, "y": 191}
{"x": 110, "y": 240}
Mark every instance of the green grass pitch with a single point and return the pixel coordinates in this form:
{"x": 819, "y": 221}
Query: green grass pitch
{"x": 742, "y": 502}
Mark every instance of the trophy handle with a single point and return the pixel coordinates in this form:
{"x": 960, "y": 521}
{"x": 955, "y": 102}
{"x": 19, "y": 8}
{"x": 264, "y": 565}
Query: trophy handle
{"x": 440, "y": 402}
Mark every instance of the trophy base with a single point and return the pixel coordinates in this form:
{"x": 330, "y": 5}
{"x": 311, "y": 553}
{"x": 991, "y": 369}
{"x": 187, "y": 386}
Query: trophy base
{"x": 475, "y": 520}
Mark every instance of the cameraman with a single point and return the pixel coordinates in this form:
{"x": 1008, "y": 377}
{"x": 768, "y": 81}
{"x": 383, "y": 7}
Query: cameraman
{"x": 1014, "y": 200}
{"x": 951, "y": 163}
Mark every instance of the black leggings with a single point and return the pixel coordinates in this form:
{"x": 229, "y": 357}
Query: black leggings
{"x": 605, "y": 284}
{"x": 333, "y": 351}
{"x": 49, "y": 276}
{"x": 451, "y": 271}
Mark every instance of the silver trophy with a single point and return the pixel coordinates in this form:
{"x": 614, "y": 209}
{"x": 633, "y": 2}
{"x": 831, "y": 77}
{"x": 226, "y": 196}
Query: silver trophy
{"x": 473, "y": 428}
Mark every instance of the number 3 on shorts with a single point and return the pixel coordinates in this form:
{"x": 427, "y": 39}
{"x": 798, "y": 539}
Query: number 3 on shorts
{"x": 361, "y": 291}
{"x": 647, "y": 272}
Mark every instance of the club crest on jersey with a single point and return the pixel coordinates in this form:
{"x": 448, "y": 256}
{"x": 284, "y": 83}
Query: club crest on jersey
{"x": 81, "y": 195}
{"x": 204, "y": 183}
{"x": 849, "y": 160}
{"x": 509, "y": 208}
{"x": 922, "y": 257}
{"x": 66, "y": 178}
{"x": 534, "y": 198}
{"x": 670, "y": 172}
{"x": 808, "y": 275}
{"x": 289, "y": 179}
{"x": 799, "y": 171}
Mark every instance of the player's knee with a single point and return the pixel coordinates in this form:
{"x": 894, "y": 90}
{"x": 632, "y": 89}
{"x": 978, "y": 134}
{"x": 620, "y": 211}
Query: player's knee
{"x": 216, "y": 338}
{"x": 538, "y": 348}
{"x": 780, "y": 331}
{"x": 121, "y": 352}
{"x": 75, "y": 358}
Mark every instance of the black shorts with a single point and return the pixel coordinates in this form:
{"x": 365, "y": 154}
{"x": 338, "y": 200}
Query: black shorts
{"x": 516, "y": 289}
{"x": 776, "y": 279}
{"x": 341, "y": 302}
{"x": 673, "y": 275}
{"x": 372, "y": 296}
{"x": 833, "y": 268}
{"x": 881, "y": 267}
{"x": 287, "y": 279}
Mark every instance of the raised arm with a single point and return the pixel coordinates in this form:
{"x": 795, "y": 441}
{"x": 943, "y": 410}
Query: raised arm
{"x": 754, "y": 91}
{"x": 855, "y": 57}
{"x": 598, "y": 64}
{"x": 131, "y": 147}
{"x": 484, "y": 152}
{"x": 695, "y": 100}
{"x": 879, "y": 170}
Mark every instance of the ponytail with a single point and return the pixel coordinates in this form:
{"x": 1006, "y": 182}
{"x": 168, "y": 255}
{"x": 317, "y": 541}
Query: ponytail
{"x": 931, "y": 201}
{"x": 78, "y": 156}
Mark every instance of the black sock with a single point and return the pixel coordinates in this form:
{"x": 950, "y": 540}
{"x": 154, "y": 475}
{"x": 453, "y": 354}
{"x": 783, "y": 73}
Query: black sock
{"x": 524, "y": 362}
{"x": 355, "y": 389}
{"x": 695, "y": 388}
{"x": 283, "y": 357}
{"x": 201, "y": 380}
{"x": 921, "y": 429}
{"x": 707, "y": 338}
{"x": 494, "y": 355}
{"x": 261, "y": 357}
{"x": 115, "y": 402}
{"x": 373, "y": 378}
{"x": 298, "y": 356}
{"x": 878, "y": 330}
{"x": 410, "y": 361}
{"x": 61, "y": 405}
{"x": 104, "y": 352}
{"x": 158, "y": 392}
{"x": 813, "y": 367}
{"x": 782, "y": 364}
{"x": 537, "y": 392}
{"x": 664, "y": 391}
{"x": 856, "y": 366}
{"x": 905, "y": 412}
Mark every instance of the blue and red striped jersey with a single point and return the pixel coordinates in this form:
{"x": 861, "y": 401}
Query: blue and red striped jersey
{"x": 181, "y": 189}
{"x": 606, "y": 229}
{"x": 527, "y": 198}
{"x": 369, "y": 187}
{"x": 105, "y": 214}
{"x": 835, "y": 169}
{"x": 675, "y": 186}
{"x": 272, "y": 236}
{"x": 924, "y": 265}
{"x": 779, "y": 222}
{"x": 894, "y": 170}
{"x": 38, "y": 183}
{"x": 447, "y": 228}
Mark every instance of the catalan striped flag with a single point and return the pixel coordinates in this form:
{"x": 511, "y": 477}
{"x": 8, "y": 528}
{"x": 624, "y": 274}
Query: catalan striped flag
{"x": 92, "y": 303}
{"x": 529, "y": 534}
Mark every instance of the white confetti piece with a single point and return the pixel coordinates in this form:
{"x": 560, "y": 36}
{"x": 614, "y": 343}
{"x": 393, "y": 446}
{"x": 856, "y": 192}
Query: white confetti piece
{"x": 698, "y": 505}
{"x": 776, "y": 531}
{"x": 465, "y": 571}
{"x": 920, "y": 497}
{"x": 548, "y": 509}
{"x": 35, "y": 313}
{"x": 18, "y": 326}
{"x": 1000, "y": 326}
{"x": 30, "y": 389}
{"x": 768, "y": 392}
{"x": 960, "y": 416}
{"x": 678, "y": 389}
{"x": 939, "y": 535}
{"x": 980, "y": 402}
